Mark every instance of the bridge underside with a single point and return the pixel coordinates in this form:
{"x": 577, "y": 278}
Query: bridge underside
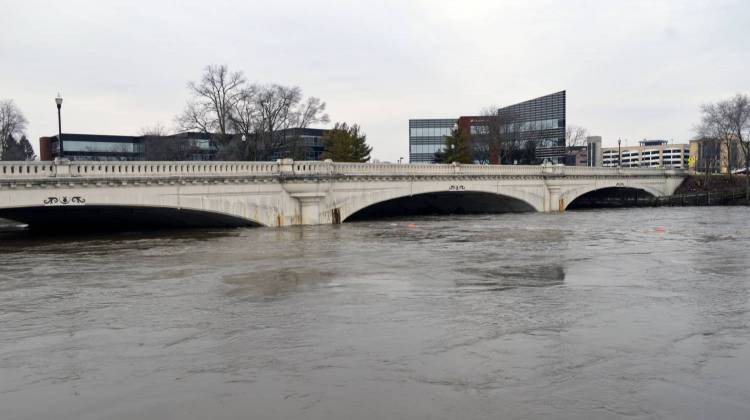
{"x": 610, "y": 197}
{"x": 442, "y": 203}
{"x": 97, "y": 217}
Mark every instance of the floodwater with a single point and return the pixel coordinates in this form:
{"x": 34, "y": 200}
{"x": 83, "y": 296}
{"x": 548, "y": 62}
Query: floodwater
{"x": 638, "y": 314}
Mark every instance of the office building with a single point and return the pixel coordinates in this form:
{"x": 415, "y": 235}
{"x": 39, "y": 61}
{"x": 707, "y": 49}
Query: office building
{"x": 576, "y": 156}
{"x": 531, "y": 131}
{"x": 540, "y": 122}
{"x": 427, "y": 136}
{"x": 648, "y": 154}
{"x": 594, "y": 151}
{"x": 715, "y": 156}
{"x": 299, "y": 144}
{"x": 92, "y": 147}
{"x": 97, "y": 147}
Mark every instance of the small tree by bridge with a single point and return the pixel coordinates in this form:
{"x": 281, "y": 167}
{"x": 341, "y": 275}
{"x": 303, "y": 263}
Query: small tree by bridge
{"x": 345, "y": 143}
{"x": 456, "y": 148}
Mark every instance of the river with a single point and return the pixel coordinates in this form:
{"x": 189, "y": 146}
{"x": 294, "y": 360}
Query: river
{"x": 637, "y": 313}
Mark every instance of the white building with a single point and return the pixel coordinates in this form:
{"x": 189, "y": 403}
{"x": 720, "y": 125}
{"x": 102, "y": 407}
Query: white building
{"x": 648, "y": 154}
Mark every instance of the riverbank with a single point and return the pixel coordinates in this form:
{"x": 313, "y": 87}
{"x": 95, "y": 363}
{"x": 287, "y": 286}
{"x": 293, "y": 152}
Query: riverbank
{"x": 711, "y": 183}
{"x": 724, "y": 189}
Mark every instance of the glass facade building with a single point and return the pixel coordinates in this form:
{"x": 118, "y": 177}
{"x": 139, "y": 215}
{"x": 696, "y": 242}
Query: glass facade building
{"x": 296, "y": 143}
{"x": 300, "y": 144}
{"x": 427, "y": 136}
{"x": 541, "y": 121}
{"x": 96, "y": 147}
{"x": 92, "y": 147}
{"x": 536, "y": 127}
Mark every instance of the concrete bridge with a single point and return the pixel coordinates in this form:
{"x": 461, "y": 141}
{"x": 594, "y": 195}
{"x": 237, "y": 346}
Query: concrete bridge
{"x": 284, "y": 193}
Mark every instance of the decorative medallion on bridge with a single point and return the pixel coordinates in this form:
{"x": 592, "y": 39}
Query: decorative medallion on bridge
{"x": 64, "y": 200}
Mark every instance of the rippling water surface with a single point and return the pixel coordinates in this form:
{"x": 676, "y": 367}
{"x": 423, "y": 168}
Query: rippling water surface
{"x": 604, "y": 314}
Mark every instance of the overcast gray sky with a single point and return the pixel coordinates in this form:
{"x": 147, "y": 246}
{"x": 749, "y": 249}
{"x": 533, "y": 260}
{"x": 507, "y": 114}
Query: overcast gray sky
{"x": 632, "y": 69}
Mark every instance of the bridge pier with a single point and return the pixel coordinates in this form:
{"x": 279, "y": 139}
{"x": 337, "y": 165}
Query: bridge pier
{"x": 554, "y": 202}
{"x": 309, "y": 207}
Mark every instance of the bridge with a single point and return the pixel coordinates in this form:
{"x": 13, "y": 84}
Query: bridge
{"x": 286, "y": 192}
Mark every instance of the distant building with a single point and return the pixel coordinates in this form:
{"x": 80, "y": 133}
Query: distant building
{"x": 299, "y": 143}
{"x": 426, "y": 137}
{"x": 714, "y": 156}
{"x": 576, "y": 156}
{"x": 542, "y": 121}
{"x": 538, "y": 125}
{"x": 648, "y": 154}
{"x": 92, "y": 147}
{"x": 588, "y": 155}
{"x": 594, "y": 151}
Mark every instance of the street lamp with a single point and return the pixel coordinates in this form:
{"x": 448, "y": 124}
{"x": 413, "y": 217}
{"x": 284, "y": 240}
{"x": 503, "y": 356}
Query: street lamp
{"x": 400, "y": 159}
{"x": 619, "y": 154}
{"x": 58, "y": 101}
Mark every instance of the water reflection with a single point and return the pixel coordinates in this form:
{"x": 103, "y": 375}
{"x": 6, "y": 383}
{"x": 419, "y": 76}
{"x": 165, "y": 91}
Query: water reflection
{"x": 507, "y": 277}
{"x": 274, "y": 282}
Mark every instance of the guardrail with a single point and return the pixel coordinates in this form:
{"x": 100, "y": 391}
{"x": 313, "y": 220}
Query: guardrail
{"x": 289, "y": 168}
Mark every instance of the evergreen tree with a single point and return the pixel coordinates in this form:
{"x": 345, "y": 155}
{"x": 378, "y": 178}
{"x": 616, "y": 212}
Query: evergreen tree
{"x": 17, "y": 149}
{"x": 27, "y": 149}
{"x": 456, "y": 148}
{"x": 345, "y": 143}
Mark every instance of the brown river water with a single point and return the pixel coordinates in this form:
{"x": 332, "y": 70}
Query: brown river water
{"x": 637, "y": 314}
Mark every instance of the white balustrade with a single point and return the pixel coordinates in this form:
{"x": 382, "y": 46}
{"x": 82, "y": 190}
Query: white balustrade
{"x": 213, "y": 169}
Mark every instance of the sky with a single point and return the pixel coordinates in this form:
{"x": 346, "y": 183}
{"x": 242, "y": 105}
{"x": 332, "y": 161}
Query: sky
{"x": 631, "y": 69}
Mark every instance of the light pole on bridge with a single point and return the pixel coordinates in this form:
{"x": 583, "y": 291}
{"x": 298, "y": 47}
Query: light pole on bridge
{"x": 58, "y": 101}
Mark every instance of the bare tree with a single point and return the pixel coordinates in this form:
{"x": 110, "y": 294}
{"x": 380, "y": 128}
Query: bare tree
{"x": 264, "y": 114}
{"x": 728, "y": 121}
{"x": 716, "y": 133}
{"x": 12, "y": 123}
{"x": 575, "y": 136}
{"x": 155, "y": 130}
{"x": 736, "y": 113}
{"x": 213, "y": 101}
{"x": 159, "y": 145}
{"x": 248, "y": 121}
{"x": 499, "y": 140}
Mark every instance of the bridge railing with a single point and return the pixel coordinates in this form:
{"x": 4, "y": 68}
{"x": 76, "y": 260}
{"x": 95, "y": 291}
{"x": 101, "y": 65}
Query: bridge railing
{"x": 27, "y": 169}
{"x": 104, "y": 169}
{"x": 173, "y": 169}
{"x": 284, "y": 167}
{"x": 389, "y": 169}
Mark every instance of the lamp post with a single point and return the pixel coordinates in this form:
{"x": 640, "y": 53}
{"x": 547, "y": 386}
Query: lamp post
{"x": 400, "y": 160}
{"x": 619, "y": 153}
{"x": 58, "y": 101}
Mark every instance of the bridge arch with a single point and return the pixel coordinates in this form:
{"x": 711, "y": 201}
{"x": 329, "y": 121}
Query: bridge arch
{"x": 573, "y": 198}
{"x": 120, "y": 217}
{"x": 438, "y": 201}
